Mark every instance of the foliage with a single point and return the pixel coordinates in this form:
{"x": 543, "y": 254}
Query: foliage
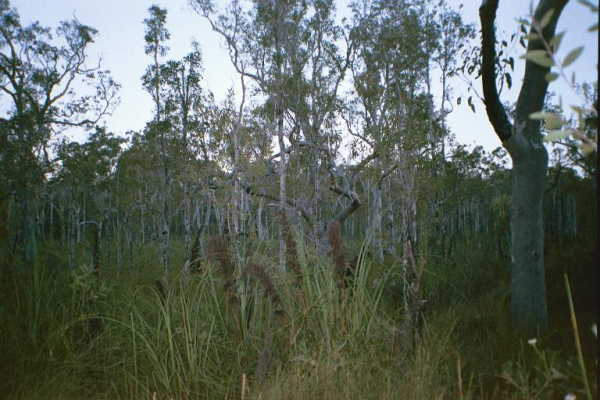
{"x": 406, "y": 292}
{"x": 39, "y": 75}
{"x": 327, "y": 342}
{"x": 547, "y": 57}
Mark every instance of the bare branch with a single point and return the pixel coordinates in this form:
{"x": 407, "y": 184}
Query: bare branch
{"x": 291, "y": 203}
{"x": 353, "y": 206}
{"x": 85, "y": 122}
{"x": 386, "y": 174}
{"x": 359, "y": 167}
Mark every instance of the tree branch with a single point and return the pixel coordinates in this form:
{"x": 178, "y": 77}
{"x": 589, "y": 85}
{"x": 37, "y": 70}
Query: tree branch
{"x": 386, "y": 174}
{"x": 359, "y": 167}
{"x": 353, "y": 206}
{"x": 534, "y": 87}
{"x": 250, "y": 190}
{"x": 495, "y": 110}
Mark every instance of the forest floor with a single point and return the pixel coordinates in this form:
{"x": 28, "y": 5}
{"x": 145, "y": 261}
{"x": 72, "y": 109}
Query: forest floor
{"x": 264, "y": 334}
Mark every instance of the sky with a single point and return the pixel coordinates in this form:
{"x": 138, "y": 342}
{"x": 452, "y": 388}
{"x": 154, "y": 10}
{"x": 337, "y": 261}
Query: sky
{"x": 120, "y": 46}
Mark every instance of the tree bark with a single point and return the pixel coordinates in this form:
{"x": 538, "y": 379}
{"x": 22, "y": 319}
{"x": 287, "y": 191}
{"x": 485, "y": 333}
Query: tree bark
{"x": 282, "y": 190}
{"x": 528, "y": 287}
{"x": 376, "y": 222}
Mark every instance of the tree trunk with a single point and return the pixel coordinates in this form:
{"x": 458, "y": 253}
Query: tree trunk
{"x": 376, "y": 222}
{"x": 528, "y": 287}
{"x": 164, "y": 235}
{"x": 259, "y": 221}
{"x": 523, "y": 140}
{"x": 187, "y": 217}
{"x": 282, "y": 191}
{"x": 29, "y": 229}
{"x": 187, "y": 226}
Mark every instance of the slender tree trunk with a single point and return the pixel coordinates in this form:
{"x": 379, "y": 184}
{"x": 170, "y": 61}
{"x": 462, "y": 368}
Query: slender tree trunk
{"x": 187, "y": 217}
{"x": 282, "y": 190}
{"x": 376, "y": 222}
{"x": 208, "y": 213}
{"x": 142, "y": 199}
{"x": 259, "y": 221}
{"x": 164, "y": 235}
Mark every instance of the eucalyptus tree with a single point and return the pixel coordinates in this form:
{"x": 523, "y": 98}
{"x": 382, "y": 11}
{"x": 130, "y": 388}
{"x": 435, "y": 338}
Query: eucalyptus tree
{"x": 159, "y": 129}
{"x": 39, "y": 77}
{"x": 394, "y": 114}
{"x": 387, "y": 104}
{"x": 190, "y": 110}
{"x": 156, "y": 36}
{"x": 523, "y": 141}
{"x": 83, "y": 186}
{"x": 448, "y": 36}
{"x": 290, "y": 51}
{"x": 135, "y": 178}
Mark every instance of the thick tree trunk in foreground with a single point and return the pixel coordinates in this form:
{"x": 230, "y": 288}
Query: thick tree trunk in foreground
{"x": 528, "y": 287}
{"x": 523, "y": 140}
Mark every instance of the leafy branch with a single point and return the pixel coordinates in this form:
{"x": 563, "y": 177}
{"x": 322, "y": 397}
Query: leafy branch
{"x": 547, "y": 57}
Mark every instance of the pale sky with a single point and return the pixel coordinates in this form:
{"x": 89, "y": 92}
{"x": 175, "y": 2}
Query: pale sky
{"x": 120, "y": 44}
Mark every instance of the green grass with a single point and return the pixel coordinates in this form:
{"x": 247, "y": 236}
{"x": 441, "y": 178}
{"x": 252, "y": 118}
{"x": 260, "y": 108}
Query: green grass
{"x": 64, "y": 335}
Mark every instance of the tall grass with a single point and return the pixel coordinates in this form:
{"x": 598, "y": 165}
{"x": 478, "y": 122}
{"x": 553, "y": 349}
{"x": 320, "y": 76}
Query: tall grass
{"x": 67, "y": 335}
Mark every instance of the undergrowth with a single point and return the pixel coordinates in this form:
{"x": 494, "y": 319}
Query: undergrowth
{"x": 260, "y": 333}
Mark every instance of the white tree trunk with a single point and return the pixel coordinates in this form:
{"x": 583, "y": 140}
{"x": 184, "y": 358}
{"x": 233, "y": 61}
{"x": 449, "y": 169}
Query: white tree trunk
{"x": 282, "y": 191}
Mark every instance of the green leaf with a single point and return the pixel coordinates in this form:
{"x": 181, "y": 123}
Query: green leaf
{"x": 555, "y": 135}
{"x": 586, "y": 148}
{"x": 458, "y": 101}
{"x": 593, "y": 28}
{"x": 508, "y": 79}
{"x": 589, "y": 4}
{"x": 522, "y": 42}
{"x": 539, "y": 57}
{"x": 551, "y": 120}
{"x": 524, "y": 22}
{"x": 533, "y": 36}
{"x": 551, "y": 76}
{"x": 546, "y": 18}
{"x": 556, "y": 40}
{"x": 572, "y": 56}
{"x": 540, "y": 115}
{"x": 470, "y": 103}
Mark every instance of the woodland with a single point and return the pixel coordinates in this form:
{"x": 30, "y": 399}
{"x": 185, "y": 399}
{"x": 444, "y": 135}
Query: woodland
{"x": 319, "y": 234}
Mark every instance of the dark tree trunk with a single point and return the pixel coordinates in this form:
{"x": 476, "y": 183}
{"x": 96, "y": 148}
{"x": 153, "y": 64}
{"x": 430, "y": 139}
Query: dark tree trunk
{"x": 528, "y": 288}
{"x": 523, "y": 140}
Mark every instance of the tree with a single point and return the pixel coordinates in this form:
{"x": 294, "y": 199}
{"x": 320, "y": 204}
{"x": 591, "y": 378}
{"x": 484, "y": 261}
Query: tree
{"x": 290, "y": 51}
{"x": 523, "y": 141}
{"x": 156, "y": 36}
{"x": 38, "y": 75}
{"x": 183, "y": 112}
{"x": 83, "y": 186}
{"x": 390, "y": 73}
